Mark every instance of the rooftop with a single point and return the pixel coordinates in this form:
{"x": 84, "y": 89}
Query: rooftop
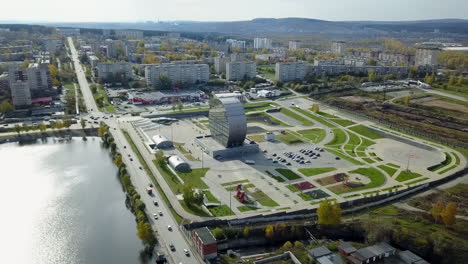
{"x": 205, "y": 235}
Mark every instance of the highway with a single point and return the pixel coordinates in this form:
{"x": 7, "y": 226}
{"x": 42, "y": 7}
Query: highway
{"x": 140, "y": 179}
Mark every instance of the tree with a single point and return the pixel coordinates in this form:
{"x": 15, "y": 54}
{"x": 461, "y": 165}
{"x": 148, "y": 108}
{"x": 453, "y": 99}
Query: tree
{"x": 287, "y": 246}
{"x": 449, "y": 213}
{"x": 460, "y": 81}
{"x": 18, "y": 129}
{"x": 452, "y": 80}
{"x": 246, "y": 232}
{"x": 316, "y": 108}
{"x": 436, "y": 210}
{"x": 298, "y": 244}
{"x": 82, "y": 123}
{"x": 42, "y": 127}
{"x": 180, "y": 106}
{"x": 6, "y": 106}
{"x": 406, "y": 100}
{"x": 269, "y": 232}
{"x": 118, "y": 160}
{"x": 329, "y": 213}
{"x": 218, "y": 233}
{"x": 279, "y": 84}
{"x": 145, "y": 233}
{"x": 164, "y": 82}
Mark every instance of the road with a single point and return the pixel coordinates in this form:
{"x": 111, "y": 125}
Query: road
{"x": 139, "y": 178}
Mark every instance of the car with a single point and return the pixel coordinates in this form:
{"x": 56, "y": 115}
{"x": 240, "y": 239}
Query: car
{"x": 155, "y": 203}
{"x": 131, "y": 159}
{"x": 125, "y": 147}
{"x": 155, "y": 216}
{"x": 186, "y": 252}
{"x": 171, "y": 246}
{"x": 289, "y": 163}
{"x": 274, "y": 154}
{"x": 269, "y": 158}
{"x": 140, "y": 168}
{"x": 129, "y": 155}
{"x": 150, "y": 184}
{"x": 169, "y": 228}
{"x": 275, "y": 161}
{"x": 337, "y": 158}
{"x": 160, "y": 213}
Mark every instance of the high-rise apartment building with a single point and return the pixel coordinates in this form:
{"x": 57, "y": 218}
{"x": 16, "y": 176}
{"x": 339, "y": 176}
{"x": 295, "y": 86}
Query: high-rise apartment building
{"x": 37, "y": 75}
{"x": 294, "y": 45}
{"x": 220, "y": 64}
{"x": 338, "y": 47}
{"x": 20, "y": 93}
{"x": 240, "y": 70}
{"x": 263, "y": 43}
{"x": 290, "y": 71}
{"x": 110, "y": 70}
{"x": 426, "y": 56}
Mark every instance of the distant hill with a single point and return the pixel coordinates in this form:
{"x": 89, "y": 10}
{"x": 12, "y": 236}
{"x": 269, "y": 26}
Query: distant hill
{"x": 292, "y": 25}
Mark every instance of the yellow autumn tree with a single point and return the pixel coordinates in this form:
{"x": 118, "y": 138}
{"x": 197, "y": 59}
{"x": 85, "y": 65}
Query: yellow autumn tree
{"x": 315, "y": 108}
{"x": 449, "y": 213}
{"x": 329, "y": 213}
{"x": 269, "y": 231}
{"x": 436, "y": 210}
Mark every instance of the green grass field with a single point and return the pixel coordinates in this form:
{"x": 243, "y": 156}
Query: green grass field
{"x": 376, "y": 177}
{"x": 342, "y": 122}
{"x": 222, "y": 210}
{"x": 339, "y": 138}
{"x": 288, "y": 174}
{"x": 264, "y": 199}
{"x": 343, "y": 156}
{"x": 315, "y": 171}
{"x": 289, "y": 138}
{"x": 407, "y": 175}
{"x": 364, "y": 131}
{"x": 446, "y": 162}
{"x": 246, "y": 208}
{"x": 313, "y": 116}
{"x": 388, "y": 169}
{"x": 315, "y": 135}
{"x": 234, "y": 182}
{"x": 210, "y": 197}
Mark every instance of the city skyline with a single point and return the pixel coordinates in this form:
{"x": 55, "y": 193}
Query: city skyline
{"x": 211, "y": 10}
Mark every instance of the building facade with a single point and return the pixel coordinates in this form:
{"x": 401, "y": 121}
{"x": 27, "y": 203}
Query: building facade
{"x": 236, "y": 43}
{"x": 129, "y": 34}
{"x": 240, "y": 70}
{"x": 112, "y": 70}
{"x": 426, "y": 56}
{"x": 263, "y": 43}
{"x": 228, "y": 124}
{"x": 37, "y": 75}
{"x": 338, "y": 47}
{"x": 220, "y": 64}
{"x": 290, "y": 71}
{"x": 294, "y": 45}
{"x": 177, "y": 72}
{"x": 20, "y": 93}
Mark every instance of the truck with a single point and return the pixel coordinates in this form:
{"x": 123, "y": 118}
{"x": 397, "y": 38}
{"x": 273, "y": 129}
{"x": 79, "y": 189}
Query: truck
{"x": 149, "y": 190}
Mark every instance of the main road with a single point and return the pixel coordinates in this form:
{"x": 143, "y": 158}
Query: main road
{"x": 140, "y": 179}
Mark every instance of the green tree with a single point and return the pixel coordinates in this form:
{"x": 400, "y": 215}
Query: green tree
{"x": 180, "y": 106}
{"x": 287, "y": 246}
{"x": 298, "y": 245}
{"x": 406, "y": 100}
{"x": 269, "y": 232}
{"x": 118, "y": 160}
{"x": 448, "y": 213}
{"x": 329, "y": 213}
{"x": 145, "y": 233}
{"x": 42, "y": 127}
{"x": 18, "y": 129}
{"x": 246, "y": 232}
{"x": 164, "y": 82}
{"x": 452, "y": 80}
{"x": 218, "y": 233}
{"x": 82, "y": 123}
{"x": 6, "y": 106}
{"x": 315, "y": 108}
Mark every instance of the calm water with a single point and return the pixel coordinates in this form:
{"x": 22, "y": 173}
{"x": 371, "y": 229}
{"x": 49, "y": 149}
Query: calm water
{"x": 62, "y": 203}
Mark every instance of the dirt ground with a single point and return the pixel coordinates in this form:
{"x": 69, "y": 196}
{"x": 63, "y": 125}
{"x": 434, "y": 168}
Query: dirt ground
{"x": 432, "y": 101}
{"x": 357, "y": 99}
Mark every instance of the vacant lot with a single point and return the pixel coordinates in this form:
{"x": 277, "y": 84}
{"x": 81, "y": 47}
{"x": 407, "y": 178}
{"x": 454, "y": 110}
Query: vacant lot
{"x": 457, "y": 194}
{"x": 437, "y": 102}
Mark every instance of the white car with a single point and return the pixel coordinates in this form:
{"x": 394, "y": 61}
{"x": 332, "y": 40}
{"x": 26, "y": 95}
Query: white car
{"x": 186, "y": 252}
{"x": 169, "y": 228}
{"x": 155, "y": 216}
{"x": 160, "y": 213}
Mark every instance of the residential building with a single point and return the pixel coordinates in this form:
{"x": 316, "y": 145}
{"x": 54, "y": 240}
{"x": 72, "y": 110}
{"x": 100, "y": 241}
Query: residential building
{"x": 270, "y": 56}
{"x": 290, "y": 71}
{"x": 240, "y": 70}
{"x": 426, "y": 56}
{"x": 263, "y": 43}
{"x": 20, "y": 93}
{"x": 93, "y": 60}
{"x": 238, "y": 57}
{"x": 4, "y": 82}
{"x": 220, "y": 64}
{"x": 51, "y": 45}
{"x": 294, "y": 45}
{"x": 37, "y": 75}
{"x": 173, "y": 35}
{"x": 110, "y": 70}
{"x": 177, "y": 72}
{"x": 338, "y": 47}
{"x": 129, "y": 34}
{"x": 205, "y": 243}
{"x": 236, "y": 43}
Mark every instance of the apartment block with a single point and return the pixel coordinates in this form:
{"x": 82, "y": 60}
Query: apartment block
{"x": 338, "y": 47}
{"x": 129, "y": 34}
{"x": 294, "y": 45}
{"x": 290, "y": 71}
{"x": 236, "y": 43}
{"x": 37, "y": 75}
{"x": 240, "y": 70}
{"x": 263, "y": 43}
{"x": 220, "y": 64}
{"x": 20, "y": 93}
{"x": 426, "y": 56}
{"x": 177, "y": 72}
{"x": 110, "y": 70}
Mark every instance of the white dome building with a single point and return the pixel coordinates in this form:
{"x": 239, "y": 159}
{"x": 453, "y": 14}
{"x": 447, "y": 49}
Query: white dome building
{"x": 162, "y": 142}
{"x": 178, "y": 164}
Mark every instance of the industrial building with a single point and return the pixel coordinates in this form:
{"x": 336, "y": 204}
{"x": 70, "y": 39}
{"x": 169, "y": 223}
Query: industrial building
{"x": 178, "y": 164}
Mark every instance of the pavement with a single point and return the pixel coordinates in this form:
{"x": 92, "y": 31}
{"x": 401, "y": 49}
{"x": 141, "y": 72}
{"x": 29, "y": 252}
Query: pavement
{"x": 140, "y": 179}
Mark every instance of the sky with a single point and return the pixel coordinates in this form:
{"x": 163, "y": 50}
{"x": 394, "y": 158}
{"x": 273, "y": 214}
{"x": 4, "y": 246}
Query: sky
{"x": 228, "y": 10}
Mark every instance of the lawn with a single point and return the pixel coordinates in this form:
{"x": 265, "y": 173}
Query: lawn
{"x": 305, "y": 197}
{"x": 169, "y": 177}
{"x": 364, "y": 131}
{"x": 267, "y": 72}
{"x": 246, "y": 208}
{"x": 210, "y": 197}
{"x": 277, "y": 178}
{"x": 313, "y": 116}
{"x": 342, "y": 122}
{"x": 315, "y": 171}
{"x": 376, "y": 177}
{"x": 265, "y": 116}
{"x": 257, "y": 138}
{"x": 407, "y": 175}
{"x": 222, "y": 210}
{"x": 447, "y": 161}
{"x": 195, "y": 209}
{"x": 194, "y": 178}
{"x": 107, "y": 105}
{"x": 388, "y": 169}
{"x": 327, "y": 115}
{"x": 447, "y": 169}
{"x": 288, "y": 174}
{"x": 257, "y": 107}
{"x": 188, "y": 155}
{"x": 304, "y": 121}
{"x": 343, "y": 156}
{"x": 263, "y": 199}
{"x": 368, "y": 160}
{"x": 289, "y": 138}
{"x": 416, "y": 181}
{"x": 315, "y": 134}
{"x": 339, "y": 138}
{"x": 292, "y": 188}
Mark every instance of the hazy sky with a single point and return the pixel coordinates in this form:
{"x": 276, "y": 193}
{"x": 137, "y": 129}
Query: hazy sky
{"x": 228, "y": 10}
